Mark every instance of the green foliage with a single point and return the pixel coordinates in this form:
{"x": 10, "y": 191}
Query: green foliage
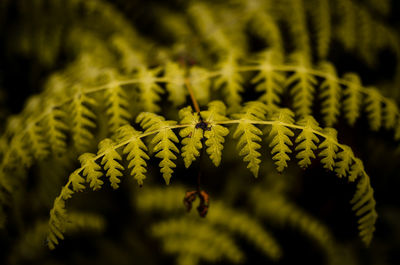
{"x": 194, "y": 79}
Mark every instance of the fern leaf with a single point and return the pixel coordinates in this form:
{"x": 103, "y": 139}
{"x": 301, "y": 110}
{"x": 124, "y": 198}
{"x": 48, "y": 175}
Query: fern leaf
{"x": 57, "y": 223}
{"x": 390, "y": 113}
{"x": 175, "y": 83}
{"x": 37, "y": 141}
{"x": 55, "y": 127}
{"x": 230, "y": 80}
{"x": 346, "y": 160}
{"x": 163, "y": 141}
{"x": 117, "y": 105}
{"x": 373, "y": 108}
{"x": 136, "y": 152}
{"x": 110, "y": 161}
{"x": 77, "y": 181}
{"x": 320, "y": 13}
{"x": 191, "y": 135}
{"x": 329, "y": 148}
{"x": 280, "y": 135}
{"x": 215, "y": 133}
{"x": 272, "y": 81}
{"x": 364, "y": 205}
{"x": 303, "y": 85}
{"x": 249, "y": 134}
{"x": 149, "y": 89}
{"x": 200, "y": 82}
{"x": 91, "y": 170}
{"x": 352, "y": 100}
{"x": 307, "y": 140}
{"x": 82, "y": 122}
{"x": 330, "y": 95}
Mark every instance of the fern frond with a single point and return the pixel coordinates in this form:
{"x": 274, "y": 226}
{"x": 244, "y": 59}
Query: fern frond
{"x": 82, "y": 120}
{"x": 215, "y": 133}
{"x": 37, "y": 141}
{"x": 149, "y": 89}
{"x": 110, "y": 161}
{"x": 390, "y": 112}
{"x": 191, "y": 135}
{"x": 280, "y": 135}
{"x": 272, "y": 81}
{"x": 249, "y": 134}
{"x": 163, "y": 141}
{"x": 58, "y": 220}
{"x": 176, "y": 83}
{"x": 55, "y": 127}
{"x": 345, "y": 161}
{"x": 136, "y": 152}
{"x": 329, "y": 148}
{"x": 117, "y": 105}
{"x": 91, "y": 170}
{"x": 302, "y": 84}
{"x": 353, "y": 97}
{"x": 306, "y": 141}
{"x": 320, "y": 13}
{"x": 330, "y": 94}
{"x": 230, "y": 80}
{"x": 373, "y": 108}
{"x": 364, "y": 205}
{"x": 347, "y": 27}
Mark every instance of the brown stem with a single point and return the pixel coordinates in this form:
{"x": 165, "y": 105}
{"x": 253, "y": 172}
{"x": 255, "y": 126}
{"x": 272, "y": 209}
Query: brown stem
{"x": 194, "y": 101}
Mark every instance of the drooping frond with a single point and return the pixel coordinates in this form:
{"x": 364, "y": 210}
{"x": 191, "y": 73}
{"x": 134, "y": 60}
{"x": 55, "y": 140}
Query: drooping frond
{"x": 136, "y": 152}
{"x": 110, "y": 161}
{"x": 329, "y": 148}
{"x": 82, "y": 119}
{"x": 176, "y": 83}
{"x": 230, "y": 80}
{"x": 163, "y": 141}
{"x": 352, "y": 98}
{"x": 117, "y": 105}
{"x": 91, "y": 170}
{"x": 272, "y": 81}
{"x": 302, "y": 85}
{"x": 307, "y": 140}
{"x": 373, "y": 106}
{"x": 191, "y": 135}
{"x": 149, "y": 89}
{"x": 215, "y": 133}
{"x": 249, "y": 134}
{"x": 330, "y": 95}
{"x": 280, "y": 135}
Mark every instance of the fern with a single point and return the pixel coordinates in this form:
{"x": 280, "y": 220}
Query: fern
{"x": 307, "y": 140}
{"x": 191, "y": 135}
{"x": 352, "y": 101}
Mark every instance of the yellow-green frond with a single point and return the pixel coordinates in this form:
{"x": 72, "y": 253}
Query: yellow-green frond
{"x": 175, "y": 76}
{"x": 191, "y": 135}
{"x": 110, "y": 158}
{"x": 91, "y": 170}
{"x": 117, "y": 105}
{"x": 330, "y": 94}
{"x": 149, "y": 89}
{"x": 352, "y": 98}
{"x": 200, "y": 83}
{"x": 373, "y": 106}
{"x": 307, "y": 140}
{"x": 329, "y": 148}
{"x": 215, "y": 133}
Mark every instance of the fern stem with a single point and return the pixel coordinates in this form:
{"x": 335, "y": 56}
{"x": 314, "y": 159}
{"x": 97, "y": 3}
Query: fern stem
{"x": 192, "y": 97}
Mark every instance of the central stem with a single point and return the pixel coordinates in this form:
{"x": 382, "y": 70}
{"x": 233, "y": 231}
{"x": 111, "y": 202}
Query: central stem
{"x": 194, "y": 101}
